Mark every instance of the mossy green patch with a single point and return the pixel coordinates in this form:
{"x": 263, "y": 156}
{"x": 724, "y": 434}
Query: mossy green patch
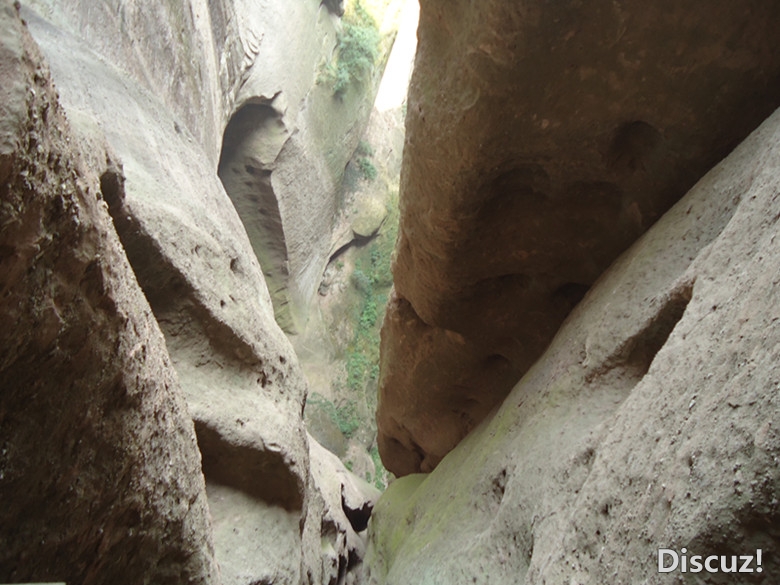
{"x": 367, "y": 168}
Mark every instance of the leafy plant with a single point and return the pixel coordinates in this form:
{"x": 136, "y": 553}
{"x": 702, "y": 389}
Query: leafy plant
{"x": 367, "y": 168}
{"x": 368, "y": 315}
{"x": 357, "y": 49}
{"x": 380, "y": 477}
{"x": 357, "y": 363}
{"x": 364, "y": 148}
{"x": 362, "y": 282}
{"x": 372, "y": 278}
{"x": 347, "y": 418}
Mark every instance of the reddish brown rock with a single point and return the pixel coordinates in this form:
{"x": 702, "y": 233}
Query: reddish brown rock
{"x": 542, "y": 140}
{"x": 651, "y": 421}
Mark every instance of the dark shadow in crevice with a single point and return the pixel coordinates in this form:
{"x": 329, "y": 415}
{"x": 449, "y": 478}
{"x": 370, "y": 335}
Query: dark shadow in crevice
{"x": 358, "y": 517}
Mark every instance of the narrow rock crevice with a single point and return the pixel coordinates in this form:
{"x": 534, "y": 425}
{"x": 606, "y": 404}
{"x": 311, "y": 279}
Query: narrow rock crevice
{"x": 358, "y": 516}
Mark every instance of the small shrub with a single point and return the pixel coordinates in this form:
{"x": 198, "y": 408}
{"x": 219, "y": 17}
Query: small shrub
{"x": 367, "y": 168}
{"x": 380, "y": 475}
{"x": 364, "y": 149}
{"x": 357, "y": 50}
{"x": 352, "y": 177}
{"x": 345, "y": 417}
{"x": 362, "y": 282}
{"x": 368, "y": 315}
{"x": 357, "y": 363}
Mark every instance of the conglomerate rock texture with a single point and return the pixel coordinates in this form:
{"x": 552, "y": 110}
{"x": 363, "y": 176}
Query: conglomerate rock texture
{"x": 542, "y": 140}
{"x": 651, "y": 422}
{"x": 100, "y": 477}
{"x": 152, "y": 145}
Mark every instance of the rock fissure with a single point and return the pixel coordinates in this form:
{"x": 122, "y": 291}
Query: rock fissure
{"x": 584, "y": 368}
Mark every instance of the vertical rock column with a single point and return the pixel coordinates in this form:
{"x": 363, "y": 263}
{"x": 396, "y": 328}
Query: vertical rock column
{"x": 100, "y": 477}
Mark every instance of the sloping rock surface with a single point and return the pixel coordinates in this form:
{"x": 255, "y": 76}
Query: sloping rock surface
{"x": 542, "y": 140}
{"x": 652, "y": 421}
{"x": 100, "y": 477}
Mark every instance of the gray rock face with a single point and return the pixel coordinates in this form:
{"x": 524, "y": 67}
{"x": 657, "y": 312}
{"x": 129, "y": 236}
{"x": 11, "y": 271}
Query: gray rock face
{"x": 286, "y": 146}
{"x": 218, "y": 62}
{"x": 541, "y": 141}
{"x": 185, "y": 53}
{"x": 99, "y": 469}
{"x": 650, "y": 422}
{"x": 156, "y": 158}
{"x": 343, "y": 497}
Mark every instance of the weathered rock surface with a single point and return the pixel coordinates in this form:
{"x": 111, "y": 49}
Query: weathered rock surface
{"x": 286, "y": 147}
{"x": 185, "y": 53}
{"x": 248, "y": 70}
{"x": 274, "y": 163}
{"x": 347, "y": 503}
{"x": 542, "y": 139}
{"x": 650, "y": 422}
{"x": 100, "y": 477}
{"x": 195, "y": 264}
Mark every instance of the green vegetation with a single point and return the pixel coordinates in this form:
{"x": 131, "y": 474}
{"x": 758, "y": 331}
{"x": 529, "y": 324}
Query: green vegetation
{"x": 364, "y": 148}
{"x": 345, "y": 416}
{"x": 364, "y": 152}
{"x": 380, "y": 478}
{"x": 357, "y": 50}
{"x": 367, "y": 168}
{"x": 372, "y": 279}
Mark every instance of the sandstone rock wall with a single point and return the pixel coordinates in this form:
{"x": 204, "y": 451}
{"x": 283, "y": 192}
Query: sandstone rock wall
{"x": 274, "y": 161}
{"x": 100, "y": 475}
{"x": 189, "y": 54}
{"x": 541, "y": 141}
{"x": 192, "y": 257}
{"x": 251, "y": 68}
{"x": 650, "y": 422}
{"x": 288, "y": 143}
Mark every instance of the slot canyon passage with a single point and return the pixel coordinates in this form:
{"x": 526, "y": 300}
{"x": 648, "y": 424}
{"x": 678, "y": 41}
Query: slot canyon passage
{"x": 561, "y": 216}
